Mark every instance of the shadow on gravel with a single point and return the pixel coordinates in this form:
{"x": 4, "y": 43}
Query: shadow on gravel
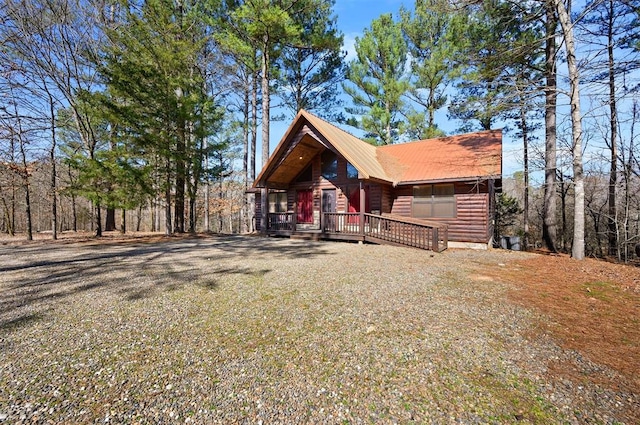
{"x": 34, "y": 276}
{"x": 20, "y": 321}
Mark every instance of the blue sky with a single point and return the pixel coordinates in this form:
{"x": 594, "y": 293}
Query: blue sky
{"x": 356, "y": 15}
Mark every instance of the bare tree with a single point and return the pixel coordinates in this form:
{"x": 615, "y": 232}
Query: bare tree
{"x": 53, "y": 37}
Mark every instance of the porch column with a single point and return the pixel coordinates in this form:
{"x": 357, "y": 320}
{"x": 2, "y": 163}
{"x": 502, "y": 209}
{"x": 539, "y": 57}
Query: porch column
{"x": 264, "y": 210}
{"x": 363, "y": 203}
{"x": 294, "y": 216}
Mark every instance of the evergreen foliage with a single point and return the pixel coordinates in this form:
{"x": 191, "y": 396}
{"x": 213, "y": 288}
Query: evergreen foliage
{"x": 378, "y": 81}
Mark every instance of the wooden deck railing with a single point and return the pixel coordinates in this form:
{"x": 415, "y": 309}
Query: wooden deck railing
{"x": 281, "y": 221}
{"x": 376, "y": 228}
{"x": 344, "y": 223}
{"x": 407, "y": 231}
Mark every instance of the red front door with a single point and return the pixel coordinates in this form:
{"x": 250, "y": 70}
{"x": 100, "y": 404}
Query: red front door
{"x": 354, "y": 203}
{"x": 305, "y": 206}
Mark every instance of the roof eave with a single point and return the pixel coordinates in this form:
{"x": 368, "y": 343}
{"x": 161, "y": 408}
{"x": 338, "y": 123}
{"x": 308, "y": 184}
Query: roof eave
{"x": 448, "y": 180}
{"x": 260, "y": 181}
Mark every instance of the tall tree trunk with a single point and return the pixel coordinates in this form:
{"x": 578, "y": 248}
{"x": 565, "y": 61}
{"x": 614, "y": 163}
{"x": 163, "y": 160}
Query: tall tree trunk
{"x": 244, "y": 214}
{"x": 180, "y": 180}
{"x": 98, "y": 220}
{"x": 25, "y": 170}
{"x": 207, "y": 225}
{"x": 388, "y": 126}
{"x": 139, "y": 218}
{"x": 167, "y": 208}
{"x": 221, "y": 198}
{"x": 564, "y": 191}
{"x": 254, "y": 144}
{"x": 123, "y": 222}
{"x": 52, "y": 158}
{"x": 265, "y": 101}
{"x": 612, "y": 218}
{"x": 110, "y": 220}
{"x": 577, "y": 250}
{"x": 265, "y": 113}
{"x": 525, "y": 143}
{"x": 154, "y": 211}
{"x": 7, "y": 218}
{"x": 27, "y": 195}
{"x": 74, "y": 208}
{"x": 254, "y": 125}
{"x": 192, "y": 214}
{"x": 549, "y": 230}
{"x": 628, "y": 173}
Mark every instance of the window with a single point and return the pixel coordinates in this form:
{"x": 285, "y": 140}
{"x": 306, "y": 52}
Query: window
{"x": 329, "y": 165}
{"x": 433, "y": 201}
{"x": 306, "y": 175}
{"x": 352, "y": 172}
{"x": 277, "y": 202}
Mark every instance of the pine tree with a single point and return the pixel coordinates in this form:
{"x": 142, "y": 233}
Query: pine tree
{"x": 431, "y": 33}
{"x": 311, "y": 70}
{"x": 377, "y": 80}
{"x": 157, "y": 95}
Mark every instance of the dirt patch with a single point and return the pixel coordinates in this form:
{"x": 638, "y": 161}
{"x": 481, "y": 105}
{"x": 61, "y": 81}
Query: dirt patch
{"x": 590, "y": 306}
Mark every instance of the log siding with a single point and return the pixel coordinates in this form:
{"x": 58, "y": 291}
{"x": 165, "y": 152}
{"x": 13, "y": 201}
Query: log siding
{"x": 472, "y": 221}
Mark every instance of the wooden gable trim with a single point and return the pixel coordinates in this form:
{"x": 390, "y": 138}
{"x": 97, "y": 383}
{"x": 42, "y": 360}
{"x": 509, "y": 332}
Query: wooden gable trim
{"x": 279, "y": 154}
{"x": 292, "y": 145}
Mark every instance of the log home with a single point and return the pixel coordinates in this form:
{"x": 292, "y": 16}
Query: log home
{"x": 326, "y": 183}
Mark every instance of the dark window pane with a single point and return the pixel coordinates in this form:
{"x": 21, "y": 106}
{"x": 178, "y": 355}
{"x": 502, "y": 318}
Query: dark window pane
{"x": 352, "y": 172}
{"x": 306, "y": 175}
{"x": 329, "y": 165}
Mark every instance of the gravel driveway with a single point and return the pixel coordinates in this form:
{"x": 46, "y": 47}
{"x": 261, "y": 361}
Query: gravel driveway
{"x": 263, "y": 330}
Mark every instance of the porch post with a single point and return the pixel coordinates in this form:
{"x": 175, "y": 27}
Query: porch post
{"x": 436, "y": 239}
{"x": 294, "y": 216}
{"x": 264, "y": 210}
{"x": 362, "y": 206}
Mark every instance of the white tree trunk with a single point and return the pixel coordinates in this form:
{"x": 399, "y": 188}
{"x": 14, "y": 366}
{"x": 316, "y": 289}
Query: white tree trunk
{"x": 577, "y": 250}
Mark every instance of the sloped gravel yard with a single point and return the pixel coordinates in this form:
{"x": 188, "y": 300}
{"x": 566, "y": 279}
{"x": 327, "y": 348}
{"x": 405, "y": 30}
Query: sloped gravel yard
{"x": 258, "y": 330}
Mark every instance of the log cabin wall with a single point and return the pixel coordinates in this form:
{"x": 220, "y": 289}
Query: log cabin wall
{"x": 386, "y": 199}
{"x": 472, "y": 222}
{"x": 342, "y": 185}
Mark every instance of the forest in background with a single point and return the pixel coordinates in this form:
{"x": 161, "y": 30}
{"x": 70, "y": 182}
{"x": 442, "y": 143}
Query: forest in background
{"x": 148, "y": 115}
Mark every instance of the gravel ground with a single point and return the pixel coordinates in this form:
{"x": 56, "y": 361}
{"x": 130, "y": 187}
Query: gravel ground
{"x": 259, "y": 330}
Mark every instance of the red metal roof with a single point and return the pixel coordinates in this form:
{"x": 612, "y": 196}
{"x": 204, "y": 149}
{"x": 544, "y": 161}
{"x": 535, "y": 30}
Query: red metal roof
{"x": 446, "y": 158}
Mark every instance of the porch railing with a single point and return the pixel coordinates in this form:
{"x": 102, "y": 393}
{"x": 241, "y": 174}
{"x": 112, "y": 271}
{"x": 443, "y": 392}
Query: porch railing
{"x": 281, "y": 221}
{"x": 344, "y": 223}
{"x": 376, "y": 228}
{"x": 407, "y": 231}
